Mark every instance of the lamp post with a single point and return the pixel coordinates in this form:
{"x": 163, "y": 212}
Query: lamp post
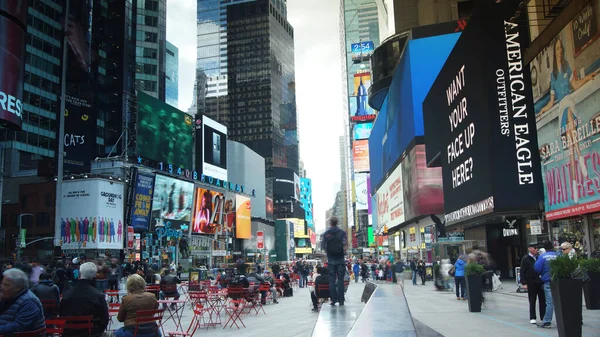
{"x": 19, "y": 220}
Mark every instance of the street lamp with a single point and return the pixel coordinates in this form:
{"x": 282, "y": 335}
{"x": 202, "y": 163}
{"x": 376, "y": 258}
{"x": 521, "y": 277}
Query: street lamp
{"x": 19, "y": 221}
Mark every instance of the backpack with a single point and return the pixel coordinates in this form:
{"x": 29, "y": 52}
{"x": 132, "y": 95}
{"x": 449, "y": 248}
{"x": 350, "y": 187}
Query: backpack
{"x": 335, "y": 245}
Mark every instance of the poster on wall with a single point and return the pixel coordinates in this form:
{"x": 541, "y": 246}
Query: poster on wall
{"x": 92, "y": 214}
{"x": 171, "y": 206}
{"x": 358, "y": 107}
{"x": 142, "y": 201}
{"x": 423, "y": 190}
{"x": 390, "y": 201}
{"x": 230, "y": 212}
{"x": 360, "y": 151}
{"x": 243, "y": 217}
{"x": 291, "y": 242}
{"x": 362, "y": 195}
{"x": 566, "y": 87}
{"x": 209, "y": 212}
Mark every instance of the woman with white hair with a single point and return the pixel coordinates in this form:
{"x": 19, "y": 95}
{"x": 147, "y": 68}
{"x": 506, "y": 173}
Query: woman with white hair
{"x": 20, "y": 309}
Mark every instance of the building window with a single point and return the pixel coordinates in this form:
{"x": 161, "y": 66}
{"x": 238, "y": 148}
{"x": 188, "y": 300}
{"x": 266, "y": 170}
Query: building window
{"x": 48, "y": 202}
{"x": 42, "y": 219}
{"x": 151, "y": 5}
{"x": 151, "y": 37}
{"x": 151, "y": 21}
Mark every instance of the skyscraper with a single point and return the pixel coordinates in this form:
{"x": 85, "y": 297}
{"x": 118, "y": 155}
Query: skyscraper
{"x": 261, "y": 82}
{"x": 172, "y": 75}
{"x": 151, "y": 29}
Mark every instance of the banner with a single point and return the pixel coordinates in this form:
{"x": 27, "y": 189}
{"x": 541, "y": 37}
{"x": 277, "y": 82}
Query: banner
{"x": 360, "y": 150}
{"x": 209, "y": 212}
{"x": 243, "y": 218}
{"x": 171, "y": 206}
{"x": 390, "y": 200}
{"x": 91, "y": 215}
{"x": 142, "y": 201}
{"x": 362, "y": 195}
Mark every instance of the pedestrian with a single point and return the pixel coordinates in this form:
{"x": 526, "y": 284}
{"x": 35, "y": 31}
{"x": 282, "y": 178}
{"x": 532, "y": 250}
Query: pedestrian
{"x": 356, "y": 270}
{"x": 413, "y": 268}
{"x": 398, "y": 270}
{"x": 102, "y": 277}
{"x": 567, "y": 249}
{"x": 20, "y": 309}
{"x": 421, "y": 271}
{"x": 459, "y": 277}
{"x": 335, "y": 243}
{"x": 542, "y": 267}
{"x": 531, "y": 281}
{"x": 445, "y": 267}
{"x": 46, "y": 290}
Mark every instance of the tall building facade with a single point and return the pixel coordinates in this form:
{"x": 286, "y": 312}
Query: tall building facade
{"x": 172, "y": 75}
{"x": 151, "y": 29}
{"x": 261, "y": 83}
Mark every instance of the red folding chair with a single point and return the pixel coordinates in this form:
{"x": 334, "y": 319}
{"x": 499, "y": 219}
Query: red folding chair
{"x": 196, "y": 322}
{"x": 235, "y": 311}
{"x": 113, "y": 311}
{"x": 148, "y": 316}
{"x": 50, "y": 308}
{"x": 55, "y": 327}
{"x": 254, "y": 302}
{"x": 322, "y": 292}
{"x": 34, "y": 333}
{"x": 80, "y": 323}
{"x": 265, "y": 287}
{"x": 112, "y": 296}
{"x": 153, "y": 289}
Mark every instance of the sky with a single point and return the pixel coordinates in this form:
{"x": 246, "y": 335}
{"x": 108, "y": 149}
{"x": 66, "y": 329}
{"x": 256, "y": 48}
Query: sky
{"x": 318, "y": 86}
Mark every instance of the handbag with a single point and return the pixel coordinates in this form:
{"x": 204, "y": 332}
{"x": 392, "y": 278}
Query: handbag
{"x": 452, "y": 271}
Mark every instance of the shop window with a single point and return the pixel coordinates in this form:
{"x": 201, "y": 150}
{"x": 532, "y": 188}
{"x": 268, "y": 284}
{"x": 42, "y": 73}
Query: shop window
{"x": 572, "y": 230}
{"x": 595, "y": 228}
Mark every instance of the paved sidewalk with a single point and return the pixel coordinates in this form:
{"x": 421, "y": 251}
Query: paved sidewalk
{"x": 338, "y": 321}
{"x": 504, "y": 314}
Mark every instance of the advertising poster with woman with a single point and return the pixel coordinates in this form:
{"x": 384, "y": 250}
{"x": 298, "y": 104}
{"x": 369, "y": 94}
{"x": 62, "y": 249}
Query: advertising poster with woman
{"x": 566, "y": 93}
{"x": 209, "y": 212}
{"x": 172, "y": 203}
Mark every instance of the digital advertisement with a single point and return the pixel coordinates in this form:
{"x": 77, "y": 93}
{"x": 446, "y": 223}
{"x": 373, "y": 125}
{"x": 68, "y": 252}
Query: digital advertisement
{"x": 172, "y": 203}
{"x": 243, "y": 219}
{"x": 489, "y": 161}
{"x": 360, "y": 186}
{"x": 362, "y": 131}
{"x": 360, "y": 151}
{"x": 423, "y": 190}
{"x": 214, "y": 149}
{"x": 286, "y": 183}
{"x": 566, "y": 91}
{"x": 390, "y": 201}
{"x": 80, "y": 134}
{"x": 359, "y": 109}
{"x": 209, "y": 212}
{"x": 92, "y": 215}
{"x": 269, "y": 203}
{"x": 164, "y": 134}
{"x": 142, "y": 201}
{"x": 362, "y": 51}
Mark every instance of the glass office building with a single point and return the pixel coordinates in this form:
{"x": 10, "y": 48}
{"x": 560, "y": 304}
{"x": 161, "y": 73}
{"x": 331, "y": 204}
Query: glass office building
{"x": 172, "y": 75}
{"x": 261, "y": 83}
{"x": 151, "y": 35}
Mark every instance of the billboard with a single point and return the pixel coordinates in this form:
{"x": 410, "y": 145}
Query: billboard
{"x": 362, "y": 131}
{"x": 423, "y": 190}
{"x": 269, "y": 203}
{"x": 164, "y": 134}
{"x": 209, "y": 212}
{"x": 142, "y": 201}
{"x": 80, "y": 134}
{"x": 362, "y": 195}
{"x": 211, "y": 148}
{"x": 171, "y": 205}
{"x": 567, "y": 96}
{"x": 12, "y": 53}
{"x": 362, "y": 51}
{"x": 243, "y": 218}
{"x": 360, "y": 153}
{"x": 91, "y": 216}
{"x": 400, "y": 119}
{"x": 247, "y": 168}
{"x": 286, "y": 183}
{"x": 359, "y": 109}
{"x": 390, "y": 201}
{"x": 490, "y": 162}
{"x": 284, "y": 240}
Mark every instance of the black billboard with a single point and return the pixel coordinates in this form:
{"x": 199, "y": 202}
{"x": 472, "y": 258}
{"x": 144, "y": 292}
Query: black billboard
{"x": 479, "y": 119}
{"x": 284, "y": 182}
{"x": 12, "y": 53}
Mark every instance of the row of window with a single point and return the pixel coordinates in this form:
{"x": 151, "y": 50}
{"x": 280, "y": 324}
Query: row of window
{"x": 42, "y": 83}
{"x": 147, "y": 37}
{"x": 41, "y": 64}
{"x": 42, "y": 219}
{"x": 145, "y": 68}
{"x": 44, "y": 46}
{"x": 42, "y": 26}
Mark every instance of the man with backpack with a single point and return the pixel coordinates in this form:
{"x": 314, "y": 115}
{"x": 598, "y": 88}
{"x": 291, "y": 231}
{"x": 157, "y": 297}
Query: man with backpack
{"x": 335, "y": 243}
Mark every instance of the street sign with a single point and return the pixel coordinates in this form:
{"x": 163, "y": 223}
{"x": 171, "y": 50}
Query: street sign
{"x": 23, "y": 234}
{"x": 130, "y": 237}
{"x": 260, "y": 240}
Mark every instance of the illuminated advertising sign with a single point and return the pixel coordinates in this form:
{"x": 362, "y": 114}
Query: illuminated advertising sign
{"x": 142, "y": 201}
{"x": 360, "y": 186}
{"x": 80, "y": 134}
{"x": 566, "y": 92}
{"x": 360, "y": 151}
{"x": 164, "y": 134}
{"x": 209, "y": 212}
{"x": 362, "y": 51}
{"x": 423, "y": 190}
{"x": 359, "y": 109}
{"x": 243, "y": 222}
{"x": 390, "y": 200}
{"x": 171, "y": 206}
{"x": 211, "y": 148}
{"x": 362, "y": 131}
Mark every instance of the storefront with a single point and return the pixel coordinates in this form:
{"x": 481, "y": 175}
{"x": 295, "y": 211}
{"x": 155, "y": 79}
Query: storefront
{"x": 566, "y": 94}
{"x": 486, "y": 146}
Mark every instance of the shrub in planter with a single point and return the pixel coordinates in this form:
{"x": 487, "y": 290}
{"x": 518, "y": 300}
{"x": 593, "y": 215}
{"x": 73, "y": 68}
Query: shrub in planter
{"x": 591, "y": 285}
{"x": 566, "y": 295}
{"x": 474, "y": 272}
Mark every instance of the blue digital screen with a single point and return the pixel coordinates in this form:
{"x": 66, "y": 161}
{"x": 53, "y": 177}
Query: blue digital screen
{"x": 362, "y": 131}
{"x": 400, "y": 119}
{"x": 362, "y": 50}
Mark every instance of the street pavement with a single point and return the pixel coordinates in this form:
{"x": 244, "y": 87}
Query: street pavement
{"x": 504, "y": 313}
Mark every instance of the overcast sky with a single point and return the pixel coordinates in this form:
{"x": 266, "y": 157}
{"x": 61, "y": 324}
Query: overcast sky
{"x": 318, "y": 85}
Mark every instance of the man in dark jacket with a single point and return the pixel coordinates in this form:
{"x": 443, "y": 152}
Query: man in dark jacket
{"x": 168, "y": 286}
{"x": 533, "y": 283}
{"x": 335, "y": 243}
{"x": 85, "y": 300}
{"x": 321, "y": 280}
{"x": 20, "y": 309}
{"x": 46, "y": 290}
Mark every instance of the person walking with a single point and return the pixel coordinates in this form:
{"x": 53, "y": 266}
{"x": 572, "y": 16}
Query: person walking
{"x": 421, "y": 271}
{"x": 542, "y": 267}
{"x": 398, "y": 270}
{"x": 459, "y": 277}
{"x": 413, "y": 268}
{"x": 335, "y": 243}
{"x": 356, "y": 270}
{"x": 531, "y": 281}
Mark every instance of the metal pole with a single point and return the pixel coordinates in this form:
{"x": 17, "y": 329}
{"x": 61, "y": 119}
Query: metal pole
{"x": 61, "y": 132}
{"x": 1, "y": 179}
{"x": 19, "y": 243}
